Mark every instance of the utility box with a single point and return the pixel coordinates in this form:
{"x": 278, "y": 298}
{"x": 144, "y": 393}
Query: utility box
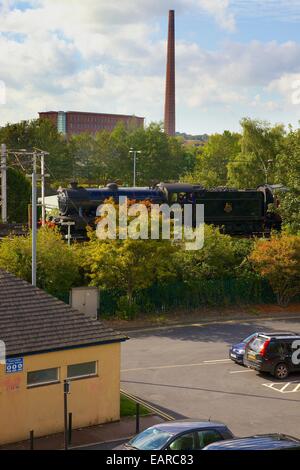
{"x": 85, "y": 300}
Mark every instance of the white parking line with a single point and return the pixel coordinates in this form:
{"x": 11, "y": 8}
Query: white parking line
{"x": 241, "y": 371}
{"x": 283, "y": 387}
{"x": 173, "y": 366}
{"x": 217, "y": 360}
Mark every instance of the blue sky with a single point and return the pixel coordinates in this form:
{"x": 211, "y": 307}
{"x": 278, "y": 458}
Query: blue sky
{"x": 234, "y": 58}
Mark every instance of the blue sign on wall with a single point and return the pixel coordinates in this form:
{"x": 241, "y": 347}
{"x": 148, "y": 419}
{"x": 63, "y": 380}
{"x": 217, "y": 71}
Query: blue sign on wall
{"x": 14, "y": 365}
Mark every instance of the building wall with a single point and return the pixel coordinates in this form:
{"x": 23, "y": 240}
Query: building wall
{"x": 51, "y": 115}
{"x": 78, "y": 122}
{"x": 92, "y": 400}
{"x": 92, "y": 122}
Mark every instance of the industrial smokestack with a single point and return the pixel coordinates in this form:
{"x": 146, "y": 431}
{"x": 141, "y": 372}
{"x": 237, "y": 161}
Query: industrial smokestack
{"x": 170, "y": 79}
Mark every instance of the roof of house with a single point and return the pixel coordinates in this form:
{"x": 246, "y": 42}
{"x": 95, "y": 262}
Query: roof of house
{"x": 32, "y": 321}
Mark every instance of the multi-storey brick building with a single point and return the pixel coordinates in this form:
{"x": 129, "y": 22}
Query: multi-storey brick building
{"x": 73, "y": 122}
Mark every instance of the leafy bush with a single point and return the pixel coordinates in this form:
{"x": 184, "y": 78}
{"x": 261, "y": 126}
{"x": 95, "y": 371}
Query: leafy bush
{"x": 278, "y": 260}
{"x": 131, "y": 265}
{"x": 57, "y": 264}
{"x": 220, "y": 257}
{"x": 126, "y": 310}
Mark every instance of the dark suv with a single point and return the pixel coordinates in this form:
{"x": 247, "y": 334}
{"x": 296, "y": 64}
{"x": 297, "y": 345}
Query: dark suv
{"x": 273, "y": 354}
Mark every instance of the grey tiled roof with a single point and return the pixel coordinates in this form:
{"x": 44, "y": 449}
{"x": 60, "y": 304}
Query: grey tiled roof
{"x": 32, "y": 321}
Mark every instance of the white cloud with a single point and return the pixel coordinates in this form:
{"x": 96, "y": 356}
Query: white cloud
{"x": 220, "y": 10}
{"x": 238, "y": 65}
{"x": 103, "y": 16}
{"x": 288, "y": 85}
{"x": 110, "y": 56}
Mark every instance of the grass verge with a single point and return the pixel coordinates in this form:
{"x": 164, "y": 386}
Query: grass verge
{"x": 128, "y": 408}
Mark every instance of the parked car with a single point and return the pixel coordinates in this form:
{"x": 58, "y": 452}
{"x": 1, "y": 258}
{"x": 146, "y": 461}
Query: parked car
{"x": 272, "y": 354}
{"x": 262, "y": 442}
{"x": 237, "y": 351}
{"x": 178, "y": 435}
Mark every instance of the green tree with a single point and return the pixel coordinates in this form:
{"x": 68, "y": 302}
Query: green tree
{"x": 131, "y": 265}
{"x": 107, "y": 155}
{"x": 221, "y": 257}
{"x": 57, "y": 264}
{"x": 260, "y": 146}
{"x": 18, "y": 196}
{"x": 120, "y": 162}
{"x": 41, "y": 134}
{"x": 288, "y": 174}
{"x": 82, "y": 149}
{"x": 59, "y": 161}
{"x": 162, "y": 158}
{"x": 213, "y": 158}
{"x": 97, "y": 159}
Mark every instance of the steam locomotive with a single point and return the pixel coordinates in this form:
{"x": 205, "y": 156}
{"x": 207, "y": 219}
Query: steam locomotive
{"x": 236, "y": 212}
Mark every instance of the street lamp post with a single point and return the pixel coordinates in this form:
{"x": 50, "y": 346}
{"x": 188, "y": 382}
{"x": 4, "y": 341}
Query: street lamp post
{"x": 3, "y": 184}
{"x": 43, "y": 154}
{"x": 43, "y": 188}
{"x": 36, "y": 152}
{"x": 134, "y": 153}
{"x": 34, "y": 155}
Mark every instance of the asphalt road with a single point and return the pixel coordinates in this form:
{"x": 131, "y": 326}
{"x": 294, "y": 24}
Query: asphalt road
{"x": 187, "y": 370}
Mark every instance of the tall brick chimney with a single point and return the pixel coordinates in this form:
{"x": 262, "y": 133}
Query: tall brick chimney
{"x": 170, "y": 79}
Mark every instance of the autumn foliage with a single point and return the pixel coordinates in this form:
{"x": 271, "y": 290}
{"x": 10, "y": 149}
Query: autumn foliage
{"x": 278, "y": 260}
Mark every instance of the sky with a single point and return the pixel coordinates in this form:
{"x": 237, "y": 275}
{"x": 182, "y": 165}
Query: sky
{"x": 234, "y": 59}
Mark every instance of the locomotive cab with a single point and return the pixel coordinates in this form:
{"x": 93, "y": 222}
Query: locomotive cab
{"x": 273, "y": 219}
{"x": 180, "y": 193}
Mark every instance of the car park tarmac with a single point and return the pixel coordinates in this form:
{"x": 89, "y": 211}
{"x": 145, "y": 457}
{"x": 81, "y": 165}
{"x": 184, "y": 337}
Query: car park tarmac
{"x": 186, "y": 369}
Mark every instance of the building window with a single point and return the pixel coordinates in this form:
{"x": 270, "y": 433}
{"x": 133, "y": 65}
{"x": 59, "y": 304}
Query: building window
{"x": 61, "y": 122}
{"x": 86, "y": 369}
{"x": 42, "y": 377}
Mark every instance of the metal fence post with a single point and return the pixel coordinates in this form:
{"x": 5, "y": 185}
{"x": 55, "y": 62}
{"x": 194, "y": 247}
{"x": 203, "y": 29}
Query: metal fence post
{"x": 31, "y": 440}
{"x": 66, "y": 392}
{"x": 137, "y": 417}
{"x": 70, "y": 429}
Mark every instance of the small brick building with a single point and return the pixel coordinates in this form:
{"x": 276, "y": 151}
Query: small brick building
{"x": 46, "y": 343}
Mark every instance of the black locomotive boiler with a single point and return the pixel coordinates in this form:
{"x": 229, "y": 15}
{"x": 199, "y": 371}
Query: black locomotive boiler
{"x": 237, "y": 212}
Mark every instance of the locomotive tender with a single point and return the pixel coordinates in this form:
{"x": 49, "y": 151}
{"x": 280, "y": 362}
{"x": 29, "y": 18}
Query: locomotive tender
{"x": 236, "y": 212}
